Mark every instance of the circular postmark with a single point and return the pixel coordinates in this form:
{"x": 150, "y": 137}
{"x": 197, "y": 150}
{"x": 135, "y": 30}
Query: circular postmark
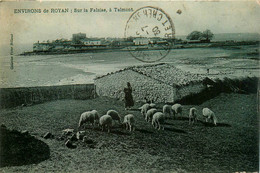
{"x": 152, "y": 32}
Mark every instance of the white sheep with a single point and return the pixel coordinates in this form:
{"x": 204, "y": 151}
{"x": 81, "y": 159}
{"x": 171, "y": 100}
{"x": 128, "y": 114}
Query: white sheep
{"x": 96, "y": 115}
{"x": 129, "y": 121}
{"x": 115, "y": 115}
{"x": 209, "y": 115}
{"x": 158, "y": 119}
{"x": 89, "y": 116}
{"x": 152, "y": 105}
{"x": 149, "y": 114}
{"x": 145, "y": 108}
{"x": 177, "y": 109}
{"x": 193, "y": 115}
{"x": 167, "y": 110}
{"x": 105, "y": 121}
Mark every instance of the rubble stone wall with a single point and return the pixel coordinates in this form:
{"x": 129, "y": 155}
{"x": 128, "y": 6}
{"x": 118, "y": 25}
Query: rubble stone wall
{"x": 143, "y": 87}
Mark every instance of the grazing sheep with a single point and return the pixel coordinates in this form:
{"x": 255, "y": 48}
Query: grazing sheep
{"x": 145, "y": 108}
{"x": 105, "y": 121}
{"x": 129, "y": 121}
{"x": 158, "y": 119}
{"x": 193, "y": 115}
{"x": 89, "y": 116}
{"x": 96, "y": 116}
{"x": 149, "y": 114}
{"x": 209, "y": 115}
{"x": 167, "y": 110}
{"x": 115, "y": 115}
{"x": 177, "y": 109}
{"x": 152, "y": 105}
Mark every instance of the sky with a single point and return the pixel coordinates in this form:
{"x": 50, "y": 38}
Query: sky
{"x": 27, "y": 28}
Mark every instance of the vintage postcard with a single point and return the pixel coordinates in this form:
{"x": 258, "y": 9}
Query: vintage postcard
{"x": 127, "y": 86}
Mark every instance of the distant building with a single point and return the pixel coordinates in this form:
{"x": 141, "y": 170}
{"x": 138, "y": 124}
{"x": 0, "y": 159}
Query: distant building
{"x": 42, "y": 47}
{"x": 141, "y": 41}
{"x": 77, "y": 37}
{"x": 91, "y": 42}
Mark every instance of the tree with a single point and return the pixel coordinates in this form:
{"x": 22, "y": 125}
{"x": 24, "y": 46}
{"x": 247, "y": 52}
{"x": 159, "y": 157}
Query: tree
{"x": 194, "y": 35}
{"x": 207, "y": 35}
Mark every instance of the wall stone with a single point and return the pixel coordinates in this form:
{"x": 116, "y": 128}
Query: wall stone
{"x": 12, "y": 97}
{"x": 192, "y": 88}
{"x": 113, "y": 85}
{"x": 145, "y": 86}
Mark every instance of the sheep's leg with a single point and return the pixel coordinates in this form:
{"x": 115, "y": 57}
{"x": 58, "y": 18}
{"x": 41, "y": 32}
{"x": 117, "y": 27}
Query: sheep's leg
{"x": 143, "y": 113}
{"x": 159, "y": 125}
{"x": 171, "y": 114}
{"x": 108, "y": 128}
{"x": 153, "y": 123}
{"x": 130, "y": 127}
{"x": 174, "y": 115}
{"x": 79, "y": 127}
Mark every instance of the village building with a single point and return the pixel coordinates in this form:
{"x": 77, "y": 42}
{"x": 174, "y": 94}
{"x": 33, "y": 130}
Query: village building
{"x": 42, "y": 46}
{"x": 159, "y": 83}
{"x": 91, "y": 42}
{"x": 77, "y": 37}
{"x": 141, "y": 41}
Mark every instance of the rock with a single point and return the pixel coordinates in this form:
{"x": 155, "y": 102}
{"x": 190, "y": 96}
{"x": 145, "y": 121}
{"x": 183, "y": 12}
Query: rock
{"x": 25, "y": 132}
{"x": 69, "y": 144}
{"x": 48, "y": 135}
{"x": 80, "y": 135}
{"x": 3, "y": 126}
{"x": 67, "y": 131}
{"x": 87, "y": 141}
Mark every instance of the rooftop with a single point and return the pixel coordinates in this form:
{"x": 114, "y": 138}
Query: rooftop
{"x": 165, "y": 73}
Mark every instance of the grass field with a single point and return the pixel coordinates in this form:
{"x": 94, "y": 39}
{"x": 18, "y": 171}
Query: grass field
{"x": 229, "y": 147}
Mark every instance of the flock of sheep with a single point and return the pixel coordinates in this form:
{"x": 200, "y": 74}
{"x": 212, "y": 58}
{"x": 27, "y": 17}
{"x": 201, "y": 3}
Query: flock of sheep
{"x": 149, "y": 112}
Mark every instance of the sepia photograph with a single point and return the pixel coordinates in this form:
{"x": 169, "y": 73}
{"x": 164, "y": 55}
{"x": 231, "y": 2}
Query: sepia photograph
{"x": 129, "y": 86}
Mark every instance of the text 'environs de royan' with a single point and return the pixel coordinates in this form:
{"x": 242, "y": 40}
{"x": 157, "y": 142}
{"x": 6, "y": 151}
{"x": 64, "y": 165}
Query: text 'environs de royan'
{"x": 73, "y": 10}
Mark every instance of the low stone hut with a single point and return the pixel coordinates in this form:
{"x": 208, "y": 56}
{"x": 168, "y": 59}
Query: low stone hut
{"x": 159, "y": 83}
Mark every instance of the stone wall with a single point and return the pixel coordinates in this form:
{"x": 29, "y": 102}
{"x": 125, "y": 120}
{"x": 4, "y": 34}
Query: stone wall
{"x": 12, "y": 97}
{"x": 143, "y": 87}
{"x": 192, "y": 88}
